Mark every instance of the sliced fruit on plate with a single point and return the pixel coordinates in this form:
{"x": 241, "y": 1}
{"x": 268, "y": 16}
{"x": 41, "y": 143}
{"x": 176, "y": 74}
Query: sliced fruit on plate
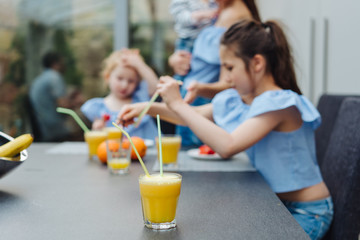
{"x": 205, "y": 149}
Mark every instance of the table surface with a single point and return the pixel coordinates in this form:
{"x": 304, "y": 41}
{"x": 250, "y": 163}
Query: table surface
{"x": 66, "y": 196}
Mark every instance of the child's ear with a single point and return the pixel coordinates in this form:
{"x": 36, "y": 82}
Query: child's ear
{"x": 258, "y": 63}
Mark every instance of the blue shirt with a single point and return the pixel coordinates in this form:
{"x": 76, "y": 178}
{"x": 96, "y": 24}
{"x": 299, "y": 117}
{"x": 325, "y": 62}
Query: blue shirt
{"x": 44, "y": 93}
{"x": 205, "y": 68}
{"x": 286, "y": 160}
{"x": 95, "y": 108}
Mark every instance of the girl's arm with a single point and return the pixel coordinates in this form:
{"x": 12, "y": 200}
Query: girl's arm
{"x": 129, "y": 112}
{"x": 224, "y": 143}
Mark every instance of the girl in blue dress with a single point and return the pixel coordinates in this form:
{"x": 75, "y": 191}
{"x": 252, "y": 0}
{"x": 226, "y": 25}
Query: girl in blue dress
{"x": 265, "y": 115}
{"x": 123, "y": 73}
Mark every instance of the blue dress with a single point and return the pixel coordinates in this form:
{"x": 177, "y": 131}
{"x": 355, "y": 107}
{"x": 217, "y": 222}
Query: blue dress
{"x": 205, "y": 68}
{"x": 95, "y": 108}
{"x": 286, "y": 160}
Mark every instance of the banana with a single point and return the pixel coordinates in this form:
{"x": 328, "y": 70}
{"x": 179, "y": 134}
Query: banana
{"x": 12, "y": 148}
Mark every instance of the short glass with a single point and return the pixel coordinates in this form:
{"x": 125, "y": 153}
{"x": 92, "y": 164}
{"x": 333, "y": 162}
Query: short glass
{"x": 93, "y": 139}
{"x": 118, "y": 157}
{"x": 159, "y": 198}
{"x": 113, "y": 132}
{"x": 171, "y": 144}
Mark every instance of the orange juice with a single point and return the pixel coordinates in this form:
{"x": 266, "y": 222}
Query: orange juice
{"x": 93, "y": 139}
{"x": 170, "y": 147}
{"x": 119, "y": 163}
{"x": 159, "y": 197}
{"x": 113, "y": 132}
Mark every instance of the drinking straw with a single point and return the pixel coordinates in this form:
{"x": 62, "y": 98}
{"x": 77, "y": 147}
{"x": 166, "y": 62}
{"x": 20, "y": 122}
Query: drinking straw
{"x": 146, "y": 109}
{"x": 75, "y": 116}
{"x": 132, "y": 144}
{"x": 160, "y": 148}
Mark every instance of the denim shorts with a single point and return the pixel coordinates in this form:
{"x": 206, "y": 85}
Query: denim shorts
{"x": 314, "y": 217}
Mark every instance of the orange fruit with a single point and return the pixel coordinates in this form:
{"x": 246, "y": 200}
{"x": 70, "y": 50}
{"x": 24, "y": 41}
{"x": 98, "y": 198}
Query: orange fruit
{"x": 139, "y": 145}
{"x": 101, "y": 150}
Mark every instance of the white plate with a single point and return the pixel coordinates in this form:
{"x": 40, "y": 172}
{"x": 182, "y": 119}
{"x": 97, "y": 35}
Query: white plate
{"x": 195, "y": 153}
{"x": 149, "y": 142}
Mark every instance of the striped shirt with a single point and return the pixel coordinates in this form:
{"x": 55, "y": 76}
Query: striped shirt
{"x": 185, "y": 25}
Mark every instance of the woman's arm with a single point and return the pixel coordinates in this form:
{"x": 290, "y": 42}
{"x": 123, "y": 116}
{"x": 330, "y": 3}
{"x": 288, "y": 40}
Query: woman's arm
{"x": 208, "y": 90}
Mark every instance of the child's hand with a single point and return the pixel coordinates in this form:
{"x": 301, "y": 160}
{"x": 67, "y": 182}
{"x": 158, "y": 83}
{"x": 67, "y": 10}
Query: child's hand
{"x": 180, "y": 62}
{"x": 132, "y": 58}
{"x": 98, "y": 124}
{"x": 192, "y": 92}
{"x": 168, "y": 88}
{"x": 129, "y": 112}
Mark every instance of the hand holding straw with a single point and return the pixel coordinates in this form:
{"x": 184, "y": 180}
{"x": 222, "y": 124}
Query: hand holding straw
{"x": 75, "y": 116}
{"x": 160, "y": 147}
{"x": 146, "y": 109}
{"x": 133, "y": 146}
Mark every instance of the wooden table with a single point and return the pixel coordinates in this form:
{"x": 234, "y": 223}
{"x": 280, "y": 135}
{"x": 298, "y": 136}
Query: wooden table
{"x": 53, "y": 196}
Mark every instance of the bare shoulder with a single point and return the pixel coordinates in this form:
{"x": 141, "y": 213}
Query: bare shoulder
{"x": 290, "y": 119}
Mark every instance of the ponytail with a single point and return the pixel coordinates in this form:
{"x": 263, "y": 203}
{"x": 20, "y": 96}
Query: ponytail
{"x": 248, "y": 38}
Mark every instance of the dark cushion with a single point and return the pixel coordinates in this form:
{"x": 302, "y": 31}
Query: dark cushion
{"x": 328, "y": 108}
{"x": 341, "y": 171}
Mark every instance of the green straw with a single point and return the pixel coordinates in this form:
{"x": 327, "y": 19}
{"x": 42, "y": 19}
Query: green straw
{"x": 75, "y": 116}
{"x": 146, "y": 109}
{"x": 160, "y": 148}
{"x": 132, "y": 144}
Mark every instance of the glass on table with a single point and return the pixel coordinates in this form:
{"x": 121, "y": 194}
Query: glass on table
{"x": 118, "y": 156}
{"x": 170, "y": 144}
{"x": 93, "y": 139}
{"x": 113, "y": 132}
{"x": 159, "y": 198}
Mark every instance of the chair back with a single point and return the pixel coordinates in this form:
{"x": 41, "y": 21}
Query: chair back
{"x": 328, "y": 108}
{"x": 341, "y": 171}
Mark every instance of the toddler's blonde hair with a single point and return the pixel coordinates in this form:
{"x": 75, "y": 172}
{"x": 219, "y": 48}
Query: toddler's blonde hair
{"x": 114, "y": 60}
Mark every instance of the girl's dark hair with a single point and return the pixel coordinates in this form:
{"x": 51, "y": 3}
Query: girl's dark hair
{"x": 249, "y": 37}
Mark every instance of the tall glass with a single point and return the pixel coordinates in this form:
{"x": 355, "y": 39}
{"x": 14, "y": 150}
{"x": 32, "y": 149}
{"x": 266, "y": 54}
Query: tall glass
{"x": 93, "y": 139}
{"x": 171, "y": 145}
{"x": 159, "y": 198}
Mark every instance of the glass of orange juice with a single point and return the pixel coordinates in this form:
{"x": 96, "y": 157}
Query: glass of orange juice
{"x": 171, "y": 144}
{"x": 93, "y": 139}
{"x": 159, "y": 198}
{"x": 118, "y": 156}
{"x": 113, "y": 132}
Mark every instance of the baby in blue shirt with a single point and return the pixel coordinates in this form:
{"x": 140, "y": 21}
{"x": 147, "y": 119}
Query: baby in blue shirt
{"x": 123, "y": 73}
{"x": 264, "y": 114}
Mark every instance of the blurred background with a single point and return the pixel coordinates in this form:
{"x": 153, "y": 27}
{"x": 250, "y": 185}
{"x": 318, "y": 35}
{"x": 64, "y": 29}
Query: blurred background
{"x": 324, "y": 35}
{"x": 84, "y": 32}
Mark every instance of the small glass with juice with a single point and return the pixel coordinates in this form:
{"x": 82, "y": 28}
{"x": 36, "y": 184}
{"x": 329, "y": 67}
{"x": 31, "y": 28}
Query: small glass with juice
{"x": 159, "y": 198}
{"x": 171, "y": 145}
{"x": 118, "y": 156}
{"x": 93, "y": 139}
